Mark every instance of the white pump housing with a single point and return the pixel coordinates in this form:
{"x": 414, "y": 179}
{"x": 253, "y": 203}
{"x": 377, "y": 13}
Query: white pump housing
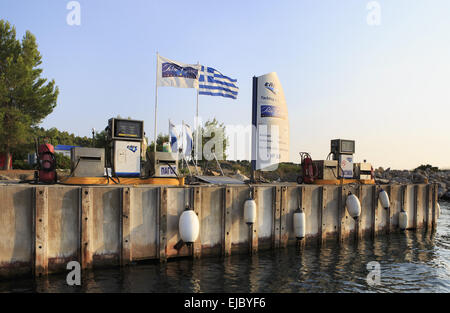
{"x": 189, "y": 226}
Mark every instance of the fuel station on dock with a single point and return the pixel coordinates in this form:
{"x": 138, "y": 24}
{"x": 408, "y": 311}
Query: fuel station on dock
{"x": 123, "y": 204}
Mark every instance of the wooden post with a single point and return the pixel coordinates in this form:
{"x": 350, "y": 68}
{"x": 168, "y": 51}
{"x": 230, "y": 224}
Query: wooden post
{"x": 403, "y": 202}
{"x": 254, "y": 228}
{"x": 416, "y": 191}
{"x": 162, "y": 224}
{"x": 435, "y": 199}
{"x": 374, "y": 211}
{"x": 388, "y": 220}
{"x": 86, "y": 228}
{"x": 125, "y": 256}
{"x": 421, "y": 206}
{"x": 428, "y": 207}
{"x": 227, "y": 221}
{"x": 303, "y": 206}
{"x": 358, "y": 228}
{"x": 341, "y": 213}
{"x": 41, "y": 231}
{"x": 322, "y": 207}
{"x": 284, "y": 235}
{"x": 396, "y": 192}
{"x": 197, "y": 249}
{"x": 276, "y": 218}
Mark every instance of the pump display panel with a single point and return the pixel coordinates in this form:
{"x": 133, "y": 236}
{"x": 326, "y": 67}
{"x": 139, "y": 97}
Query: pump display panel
{"x": 347, "y": 146}
{"x": 126, "y": 129}
{"x": 342, "y": 146}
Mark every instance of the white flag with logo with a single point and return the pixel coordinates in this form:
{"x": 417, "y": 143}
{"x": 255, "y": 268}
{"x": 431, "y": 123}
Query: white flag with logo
{"x": 175, "y": 74}
{"x": 173, "y": 137}
{"x": 187, "y": 140}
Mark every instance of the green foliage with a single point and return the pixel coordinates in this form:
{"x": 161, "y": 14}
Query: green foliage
{"x": 56, "y": 137}
{"x": 427, "y": 167}
{"x": 62, "y": 161}
{"x": 25, "y": 98}
{"x": 243, "y": 167}
{"x": 21, "y": 165}
{"x": 160, "y": 140}
{"x": 213, "y": 130}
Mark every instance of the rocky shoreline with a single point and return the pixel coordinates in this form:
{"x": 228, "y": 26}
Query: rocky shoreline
{"x": 440, "y": 177}
{"x": 289, "y": 174}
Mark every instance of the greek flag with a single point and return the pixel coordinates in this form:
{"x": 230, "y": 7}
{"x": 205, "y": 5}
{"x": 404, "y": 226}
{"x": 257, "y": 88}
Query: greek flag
{"x": 212, "y": 83}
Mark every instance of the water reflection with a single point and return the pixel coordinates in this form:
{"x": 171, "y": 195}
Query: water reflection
{"x": 410, "y": 262}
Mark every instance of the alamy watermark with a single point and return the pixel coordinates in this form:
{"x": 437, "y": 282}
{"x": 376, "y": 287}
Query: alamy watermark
{"x": 374, "y": 277}
{"x": 73, "y": 18}
{"x": 374, "y": 15}
{"x": 73, "y": 278}
{"x": 211, "y": 142}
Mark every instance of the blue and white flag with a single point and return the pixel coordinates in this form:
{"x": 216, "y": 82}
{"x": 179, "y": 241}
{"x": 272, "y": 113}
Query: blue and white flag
{"x": 212, "y": 83}
{"x": 173, "y": 137}
{"x": 187, "y": 140}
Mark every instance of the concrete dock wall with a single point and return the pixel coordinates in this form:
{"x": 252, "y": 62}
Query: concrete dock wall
{"x": 42, "y": 228}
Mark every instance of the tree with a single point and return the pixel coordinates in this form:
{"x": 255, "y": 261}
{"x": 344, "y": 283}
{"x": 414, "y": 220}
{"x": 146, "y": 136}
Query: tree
{"x": 25, "y": 98}
{"x": 162, "y": 138}
{"x": 213, "y": 136}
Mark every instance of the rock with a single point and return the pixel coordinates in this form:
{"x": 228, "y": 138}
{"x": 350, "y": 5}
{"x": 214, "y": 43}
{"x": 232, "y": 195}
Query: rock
{"x": 239, "y": 176}
{"x": 441, "y": 191}
{"x": 382, "y": 181}
{"x": 418, "y": 178}
{"x": 400, "y": 180}
{"x": 446, "y": 196}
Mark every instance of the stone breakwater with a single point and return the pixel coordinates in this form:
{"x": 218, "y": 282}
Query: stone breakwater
{"x": 441, "y": 177}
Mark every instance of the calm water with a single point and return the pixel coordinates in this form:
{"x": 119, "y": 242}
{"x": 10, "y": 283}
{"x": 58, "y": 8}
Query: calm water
{"x": 410, "y": 262}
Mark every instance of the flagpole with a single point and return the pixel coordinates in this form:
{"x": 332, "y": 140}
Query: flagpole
{"x": 197, "y": 130}
{"x": 182, "y": 142}
{"x": 156, "y": 100}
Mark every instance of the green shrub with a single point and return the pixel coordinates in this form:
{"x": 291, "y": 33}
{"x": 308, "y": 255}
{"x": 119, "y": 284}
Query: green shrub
{"x": 62, "y": 162}
{"x": 21, "y": 165}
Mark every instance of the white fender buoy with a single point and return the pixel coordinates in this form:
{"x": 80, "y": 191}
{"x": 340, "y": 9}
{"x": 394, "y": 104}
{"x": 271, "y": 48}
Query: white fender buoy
{"x": 299, "y": 224}
{"x": 403, "y": 220}
{"x": 353, "y": 206}
{"x": 438, "y": 209}
{"x": 250, "y": 211}
{"x": 189, "y": 226}
{"x": 384, "y": 199}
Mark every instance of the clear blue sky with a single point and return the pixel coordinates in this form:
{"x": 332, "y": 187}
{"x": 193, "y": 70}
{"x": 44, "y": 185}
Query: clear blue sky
{"x": 385, "y": 86}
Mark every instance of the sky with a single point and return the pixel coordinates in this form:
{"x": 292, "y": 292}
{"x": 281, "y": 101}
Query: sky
{"x": 386, "y": 86}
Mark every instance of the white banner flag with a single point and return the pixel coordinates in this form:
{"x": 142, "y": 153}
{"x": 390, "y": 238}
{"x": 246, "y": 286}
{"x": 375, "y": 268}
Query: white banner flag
{"x": 271, "y": 120}
{"x": 187, "y": 139}
{"x": 175, "y": 74}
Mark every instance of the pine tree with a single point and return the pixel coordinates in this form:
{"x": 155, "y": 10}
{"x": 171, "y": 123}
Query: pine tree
{"x": 25, "y": 97}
